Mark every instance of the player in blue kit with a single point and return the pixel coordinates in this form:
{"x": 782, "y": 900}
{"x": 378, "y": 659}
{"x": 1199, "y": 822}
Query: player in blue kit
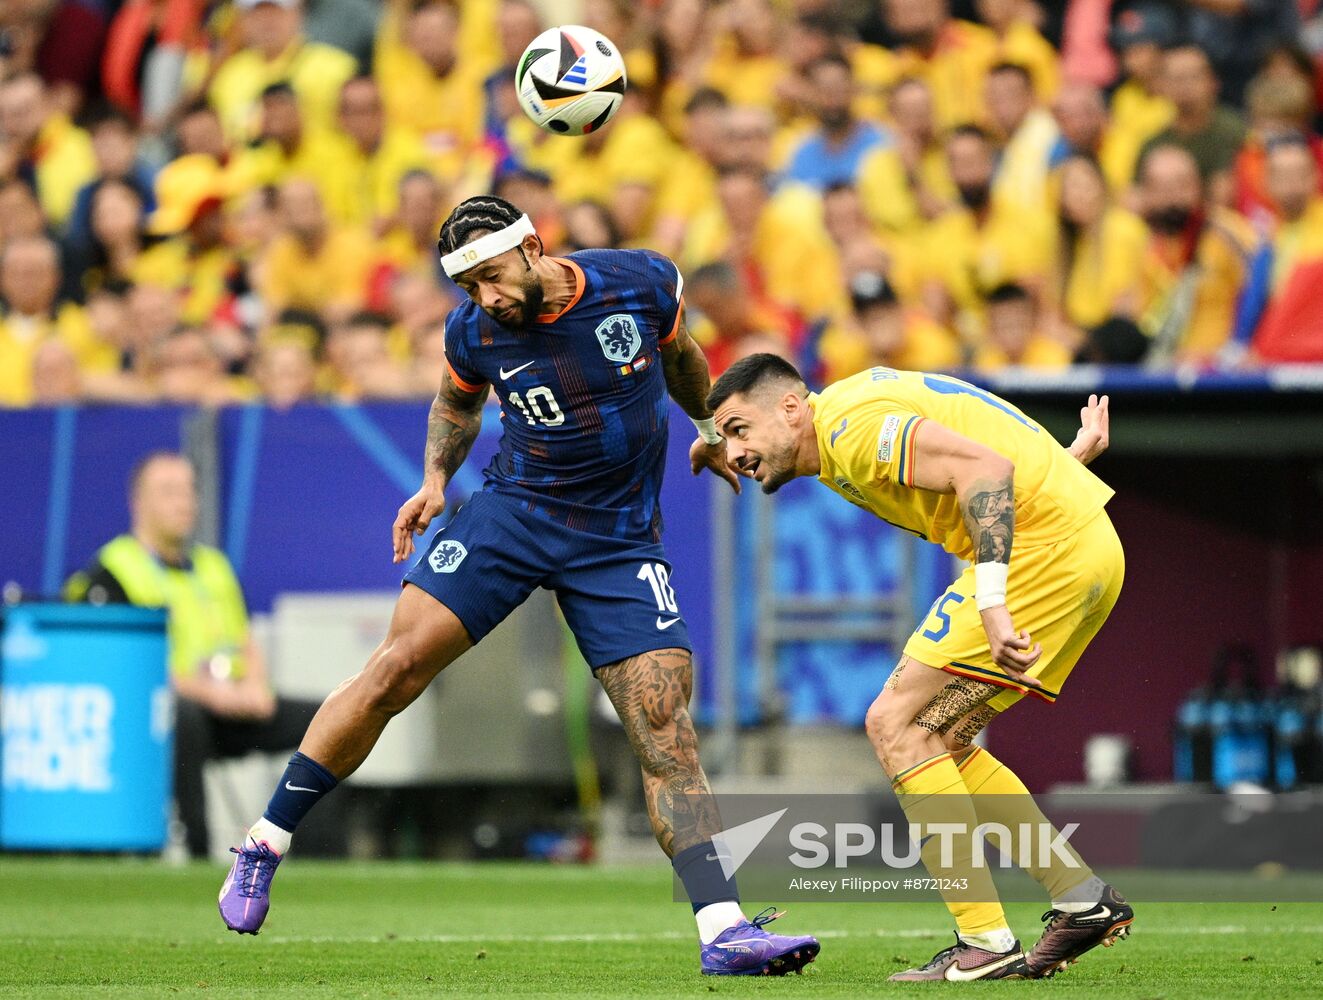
{"x": 582, "y": 352}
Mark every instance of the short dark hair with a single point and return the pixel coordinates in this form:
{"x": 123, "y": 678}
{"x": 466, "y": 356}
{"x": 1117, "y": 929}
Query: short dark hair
{"x": 719, "y": 272}
{"x": 749, "y": 373}
{"x": 1007, "y": 291}
{"x": 480, "y": 214}
{"x": 704, "y": 98}
{"x": 970, "y": 131}
{"x": 281, "y": 88}
{"x": 1015, "y": 68}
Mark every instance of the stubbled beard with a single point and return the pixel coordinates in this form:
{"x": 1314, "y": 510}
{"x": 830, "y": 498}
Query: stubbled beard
{"x": 531, "y": 307}
{"x": 781, "y": 469}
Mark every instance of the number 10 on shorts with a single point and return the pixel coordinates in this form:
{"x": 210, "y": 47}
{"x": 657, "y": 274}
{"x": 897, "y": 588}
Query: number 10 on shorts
{"x": 660, "y": 582}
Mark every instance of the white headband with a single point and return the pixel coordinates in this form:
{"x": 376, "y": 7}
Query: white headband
{"x": 487, "y": 247}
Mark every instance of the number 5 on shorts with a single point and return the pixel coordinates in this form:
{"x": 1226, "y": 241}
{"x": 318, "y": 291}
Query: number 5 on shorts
{"x": 660, "y": 582}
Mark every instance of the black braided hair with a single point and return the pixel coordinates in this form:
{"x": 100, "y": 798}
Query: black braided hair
{"x": 473, "y": 216}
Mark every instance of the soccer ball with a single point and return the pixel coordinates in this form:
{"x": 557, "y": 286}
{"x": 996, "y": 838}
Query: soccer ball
{"x": 570, "y": 80}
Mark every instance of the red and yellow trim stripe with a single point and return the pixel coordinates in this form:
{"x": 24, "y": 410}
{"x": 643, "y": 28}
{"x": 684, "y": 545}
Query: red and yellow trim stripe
{"x": 905, "y": 464}
{"x": 974, "y": 751}
{"x": 999, "y": 679}
{"x": 918, "y": 769}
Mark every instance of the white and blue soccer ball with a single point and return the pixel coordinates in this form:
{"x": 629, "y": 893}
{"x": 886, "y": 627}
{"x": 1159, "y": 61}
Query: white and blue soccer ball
{"x": 570, "y": 80}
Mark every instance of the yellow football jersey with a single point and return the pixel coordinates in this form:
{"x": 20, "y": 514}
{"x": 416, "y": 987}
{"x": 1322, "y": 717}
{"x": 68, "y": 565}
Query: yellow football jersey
{"x": 866, "y": 426}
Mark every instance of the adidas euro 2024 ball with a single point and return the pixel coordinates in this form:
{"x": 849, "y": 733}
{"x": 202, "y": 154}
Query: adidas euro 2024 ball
{"x": 570, "y": 80}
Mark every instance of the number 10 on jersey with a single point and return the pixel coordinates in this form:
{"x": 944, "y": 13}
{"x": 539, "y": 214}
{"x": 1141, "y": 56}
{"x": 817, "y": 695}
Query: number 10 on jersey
{"x": 539, "y": 406}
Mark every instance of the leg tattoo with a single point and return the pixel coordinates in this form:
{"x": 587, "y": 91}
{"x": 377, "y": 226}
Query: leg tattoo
{"x": 650, "y": 693}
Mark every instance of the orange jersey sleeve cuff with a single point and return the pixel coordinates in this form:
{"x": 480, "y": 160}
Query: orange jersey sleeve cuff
{"x": 675, "y": 327}
{"x": 463, "y": 383}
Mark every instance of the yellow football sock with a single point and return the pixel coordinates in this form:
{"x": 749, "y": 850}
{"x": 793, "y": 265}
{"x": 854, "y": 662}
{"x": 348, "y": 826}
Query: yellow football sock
{"x": 999, "y": 796}
{"x": 932, "y": 791}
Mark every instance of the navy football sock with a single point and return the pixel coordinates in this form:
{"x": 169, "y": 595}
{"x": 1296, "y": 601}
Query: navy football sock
{"x": 700, "y": 870}
{"x": 301, "y": 787}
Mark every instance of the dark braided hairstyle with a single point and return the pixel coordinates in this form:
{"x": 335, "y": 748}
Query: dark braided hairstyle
{"x": 472, "y": 217}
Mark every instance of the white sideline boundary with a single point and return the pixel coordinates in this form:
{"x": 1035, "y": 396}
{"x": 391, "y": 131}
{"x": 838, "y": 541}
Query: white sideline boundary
{"x": 935, "y": 933}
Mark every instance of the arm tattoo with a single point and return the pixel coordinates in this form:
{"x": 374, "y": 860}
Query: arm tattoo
{"x": 452, "y": 427}
{"x": 686, "y": 371}
{"x": 990, "y": 519}
{"x": 650, "y": 693}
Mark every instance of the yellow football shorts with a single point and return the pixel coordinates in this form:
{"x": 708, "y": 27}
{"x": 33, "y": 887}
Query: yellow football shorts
{"x": 1060, "y": 593}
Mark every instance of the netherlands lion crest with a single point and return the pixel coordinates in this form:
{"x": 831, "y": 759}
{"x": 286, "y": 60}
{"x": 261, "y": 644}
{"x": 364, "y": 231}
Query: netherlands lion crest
{"x": 447, "y": 556}
{"x": 619, "y": 337}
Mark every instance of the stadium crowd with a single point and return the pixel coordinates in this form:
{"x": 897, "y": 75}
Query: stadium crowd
{"x": 208, "y": 202}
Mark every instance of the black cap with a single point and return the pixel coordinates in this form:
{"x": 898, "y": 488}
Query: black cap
{"x": 868, "y": 288}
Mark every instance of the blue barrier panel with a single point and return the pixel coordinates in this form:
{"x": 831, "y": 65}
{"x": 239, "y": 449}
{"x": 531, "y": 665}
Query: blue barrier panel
{"x": 86, "y": 728}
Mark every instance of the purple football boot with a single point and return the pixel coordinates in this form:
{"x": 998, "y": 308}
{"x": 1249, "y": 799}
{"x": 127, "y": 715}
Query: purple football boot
{"x": 246, "y": 895}
{"x": 748, "y": 950}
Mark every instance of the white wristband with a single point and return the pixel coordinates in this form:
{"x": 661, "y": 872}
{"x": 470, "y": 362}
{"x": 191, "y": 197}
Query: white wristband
{"x": 707, "y": 430}
{"x": 990, "y": 584}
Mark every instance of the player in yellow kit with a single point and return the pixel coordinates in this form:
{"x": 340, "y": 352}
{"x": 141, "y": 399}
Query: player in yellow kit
{"x": 962, "y": 468}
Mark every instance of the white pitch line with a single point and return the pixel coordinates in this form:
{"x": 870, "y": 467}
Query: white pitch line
{"x": 1226, "y": 929}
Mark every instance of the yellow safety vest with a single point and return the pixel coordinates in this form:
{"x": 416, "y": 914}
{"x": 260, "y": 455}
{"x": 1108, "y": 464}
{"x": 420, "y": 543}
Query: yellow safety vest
{"x": 208, "y": 622}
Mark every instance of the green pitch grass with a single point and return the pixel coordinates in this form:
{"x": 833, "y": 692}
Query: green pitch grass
{"x": 111, "y": 928}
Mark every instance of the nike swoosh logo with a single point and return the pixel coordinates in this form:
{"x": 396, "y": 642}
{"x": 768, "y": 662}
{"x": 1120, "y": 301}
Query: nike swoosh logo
{"x": 1106, "y": 914}
{"x": 665, "y": 625}
{"x": 514, "y": 371}
{"x": 839, "y": 430}
{"x": 741, "y": 944}
{"x": 296, "y": 788}
{"x": 957, "y": 975}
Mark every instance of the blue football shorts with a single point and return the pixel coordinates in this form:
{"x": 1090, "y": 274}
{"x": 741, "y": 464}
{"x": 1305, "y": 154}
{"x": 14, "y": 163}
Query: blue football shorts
{"x": 615, "y": 593}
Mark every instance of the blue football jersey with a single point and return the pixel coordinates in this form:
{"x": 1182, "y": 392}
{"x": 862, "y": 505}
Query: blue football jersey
{"x": 583, "y": 396}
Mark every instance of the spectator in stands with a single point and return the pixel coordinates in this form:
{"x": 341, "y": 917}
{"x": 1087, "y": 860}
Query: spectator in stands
{"x": 907, "y": 185}
{"x": 191, "y": 257}
{"x": 884, "y": 331}
{"x": 950, "y": 55}
{"x": 589, "y": 225}
{"x": 777, "y": 244}
{"x": 61, "y": 41}
{"x": 409, "y": 245}
{"x": 224, "y": 705}
{"x": 149, "y": 42}
{"x": 359, "y": 359}
{"x": 982, "y": 243}
{"x": 371, "y": 160}
{"x": 1014, "y": 338}
{"x": 312, "y": 264}
{"x": 286, "y": 147}
{"x": 29, "y": 285}
{"x": 747, "y": 63}
{"x": 1140, "y": 108}
{"x": 1209, "y": 131}
{"x": 729, "y": 322}
{"x": 1237, "y": 34}
{"x": 275, "y": 51}
{"x": 691, "y": 183}
{"x": 39, "y": 144}
{"x": 1291, "y": 329}
{"x": 200, "y": 132}
{"x": 833, "y": 152}
{"x": 1082, "y": 120}
{"x": 1279, "y": 105}
{"x": 1196, "y": 261}
{"x": 425, "y": 84}
{"x": 20, "y": 213}
{"x": 1027, "y": 134}
{"x": 1021, "y": 43}
{"x": 286, "y": 372}
{"x": 117, "y": 236}
{"x": 187, "y": 369}
{"x": 1099, "y": 255}
{"x": 56, "y": 380}
{"x": 115, "y": 147}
